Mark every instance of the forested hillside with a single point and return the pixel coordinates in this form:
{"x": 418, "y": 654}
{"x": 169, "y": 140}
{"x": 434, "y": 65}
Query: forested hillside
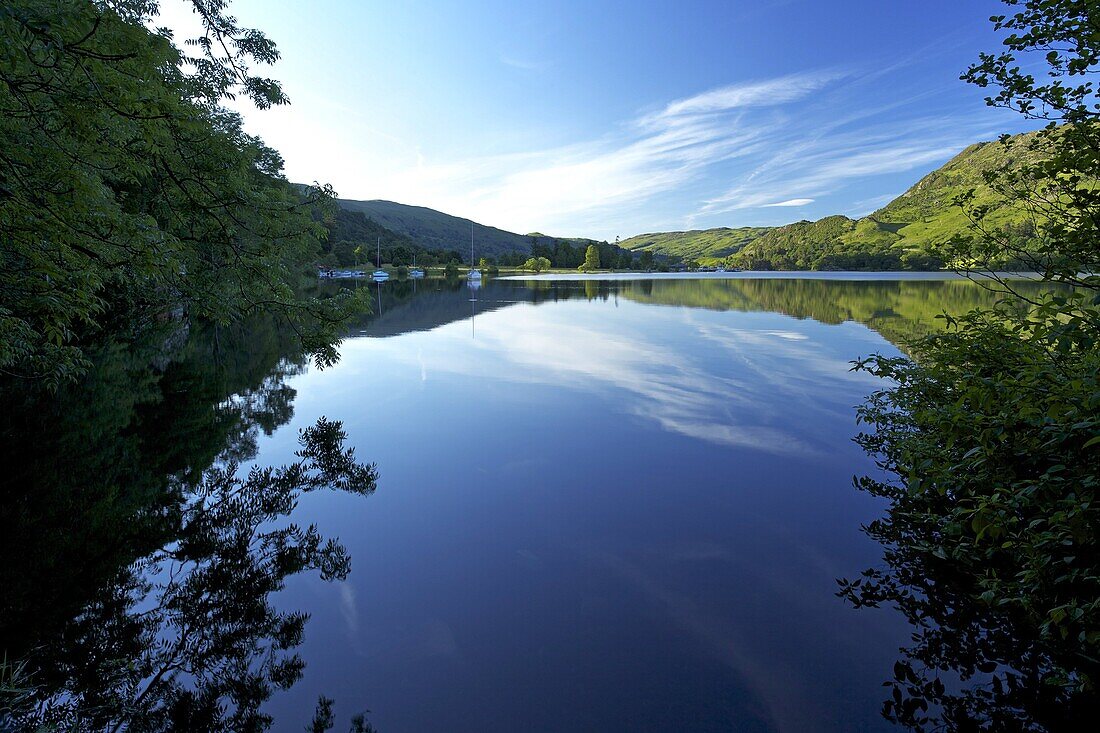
{"x": 441, "y": 237}
{"x": 926, "y": 214}
{"x": 354, "y": 239}
{"x": 438, "y": 231}
{"x": 434, "y": 230}
{"x": 834, "y": 243}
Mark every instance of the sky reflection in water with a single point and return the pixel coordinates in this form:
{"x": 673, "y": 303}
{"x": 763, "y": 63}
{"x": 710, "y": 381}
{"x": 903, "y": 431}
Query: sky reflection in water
{"x": 596, "y": 515}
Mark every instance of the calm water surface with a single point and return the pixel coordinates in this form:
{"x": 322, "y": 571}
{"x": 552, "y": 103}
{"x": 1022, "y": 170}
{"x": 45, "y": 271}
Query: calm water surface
{"x": 615, "y": 508}
{"x": 603, "y": 505}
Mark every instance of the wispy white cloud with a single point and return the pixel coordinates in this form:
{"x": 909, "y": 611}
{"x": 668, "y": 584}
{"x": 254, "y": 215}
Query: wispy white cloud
{"x": 679, "y": 392}
{"x": 653, "y": 153}
{"x": 819, "y": 166}
{"x": 788, "y": 202}
{"x": 768, "y": 93}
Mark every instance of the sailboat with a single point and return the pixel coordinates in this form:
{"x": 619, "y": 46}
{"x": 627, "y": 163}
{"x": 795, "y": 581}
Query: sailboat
{"x": 474, "y": 286}
{"x": 380, "y": 275}
{"x": 415, "y": 273}
{"x": 474, "y": 275}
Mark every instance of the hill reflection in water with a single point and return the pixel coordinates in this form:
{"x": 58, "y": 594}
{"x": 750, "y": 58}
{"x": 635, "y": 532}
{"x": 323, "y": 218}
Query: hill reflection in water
{"x": 602, "y": 505}
{"x": 897, "y": 309}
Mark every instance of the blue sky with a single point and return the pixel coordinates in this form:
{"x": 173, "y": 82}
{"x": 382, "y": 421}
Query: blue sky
{"x": 609, "y": 119}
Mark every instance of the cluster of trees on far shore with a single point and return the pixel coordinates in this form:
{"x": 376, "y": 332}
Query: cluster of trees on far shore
{"x": 594, "y": 260}
{"x": 569, "y": 255}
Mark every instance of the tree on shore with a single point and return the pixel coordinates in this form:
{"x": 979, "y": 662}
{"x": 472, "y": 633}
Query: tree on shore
{"x": 537, "y": 264}
{"x": 991, "y": 436}
{"x": 130, "y": 192}
{"x": 591, "y": 259}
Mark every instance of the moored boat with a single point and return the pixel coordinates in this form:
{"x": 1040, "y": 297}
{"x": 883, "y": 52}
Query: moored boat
{"x": 474, "y": 274}
{"x": 379, "y": 275}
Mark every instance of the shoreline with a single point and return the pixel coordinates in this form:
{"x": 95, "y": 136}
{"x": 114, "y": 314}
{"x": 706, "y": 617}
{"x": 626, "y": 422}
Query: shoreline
{"x": 884, "y": 275}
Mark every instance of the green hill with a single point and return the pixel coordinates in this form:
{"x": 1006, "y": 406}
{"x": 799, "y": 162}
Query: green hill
{"x": 716, "y": 243}
{"x": 900, "y": 235}
{"x": 833, "y": 243}
{"x": 435, "y": 230}
{"x": 925, "y": 214}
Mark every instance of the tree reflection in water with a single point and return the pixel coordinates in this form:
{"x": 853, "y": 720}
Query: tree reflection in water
{"x": 139, "y": 562}
{"x": 988, "y": 547}
{"x": 970, "y": 667}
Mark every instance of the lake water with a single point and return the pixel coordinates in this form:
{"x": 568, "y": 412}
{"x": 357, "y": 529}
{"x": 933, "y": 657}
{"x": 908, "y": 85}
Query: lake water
{"x": 607, "y": 506}
{"x": 602, "y": 505}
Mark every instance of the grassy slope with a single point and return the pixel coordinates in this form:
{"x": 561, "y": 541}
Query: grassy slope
{"x": 433, "y": 229}
{"x": 697, "y": 243}
{"x": 925, "y": 213}
{"x": 899, "y": 234}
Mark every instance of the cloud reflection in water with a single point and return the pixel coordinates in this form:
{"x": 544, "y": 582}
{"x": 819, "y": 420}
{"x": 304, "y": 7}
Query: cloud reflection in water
{"x": 725, "y": 393}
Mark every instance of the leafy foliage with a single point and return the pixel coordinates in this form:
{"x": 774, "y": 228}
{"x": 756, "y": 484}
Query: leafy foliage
{"x": 990, "y": 440}
{"x": 186, "y": 637}
{"x": 991, "y": 537}
{"x": 128, "y": 193}
{"x": 536, "y": 264}
{"x": 591, "y": 259}
{"x": 324, "y": 719}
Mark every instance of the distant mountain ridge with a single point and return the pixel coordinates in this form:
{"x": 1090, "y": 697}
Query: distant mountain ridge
{"x": 436, "y": 230}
